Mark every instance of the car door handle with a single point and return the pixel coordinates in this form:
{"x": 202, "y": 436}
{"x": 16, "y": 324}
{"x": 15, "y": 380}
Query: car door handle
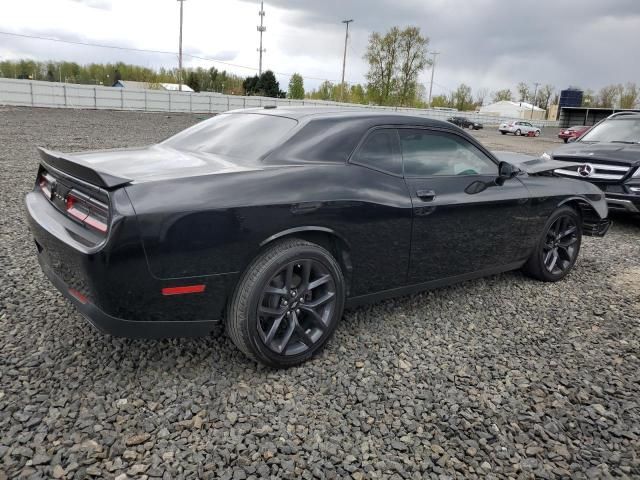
{"x": 426, "y": 195}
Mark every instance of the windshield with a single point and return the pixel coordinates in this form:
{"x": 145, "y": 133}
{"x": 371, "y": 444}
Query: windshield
{"x": 247, "y": 135}
{"x": 623, "y": 130}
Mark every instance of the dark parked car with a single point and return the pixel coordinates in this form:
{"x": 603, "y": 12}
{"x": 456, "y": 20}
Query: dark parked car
{"x": 276, "y": 219}
{"x": 572, "y": 132}
{"x": 464, "y": 122}
{"x": 608, "y": 156}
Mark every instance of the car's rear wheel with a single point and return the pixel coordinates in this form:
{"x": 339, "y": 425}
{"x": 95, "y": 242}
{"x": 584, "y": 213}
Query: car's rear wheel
{"x": 471, "y": 126}
{"x": 504, "y": 133}
{"x": 566, "y": 140}
{"x": 518, "y": 133}
{"x": 537, "y": 134}
{"x": 556, "y": 252}
{"x": 287, "y": 304}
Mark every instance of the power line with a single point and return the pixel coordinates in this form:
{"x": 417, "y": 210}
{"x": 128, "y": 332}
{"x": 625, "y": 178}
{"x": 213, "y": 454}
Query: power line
{"x": 162, "y": 52}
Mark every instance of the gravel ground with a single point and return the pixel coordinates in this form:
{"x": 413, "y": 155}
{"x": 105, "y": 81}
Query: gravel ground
{"x": 500, "y": 377}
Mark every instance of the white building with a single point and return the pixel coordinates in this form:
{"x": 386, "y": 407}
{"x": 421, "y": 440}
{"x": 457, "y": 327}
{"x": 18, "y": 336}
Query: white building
{"x": 507, "y": 108}
{"x": 131, "y": 85}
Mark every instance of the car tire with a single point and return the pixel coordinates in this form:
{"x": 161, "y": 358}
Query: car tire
{"x": 566, "y": 140}
{"x": 517, "y": 133}
{"x": 504, "y": 133}
{"x": 272, "y": 321}
{"x": 537, "y": 134}
{"x": 556, "y": 251}
{"x": 471, "y": 126}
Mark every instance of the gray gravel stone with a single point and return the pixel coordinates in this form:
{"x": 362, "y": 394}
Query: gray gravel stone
{"x": 459, "y": 382}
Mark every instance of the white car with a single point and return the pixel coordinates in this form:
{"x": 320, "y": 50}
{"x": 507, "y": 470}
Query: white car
{"x": 518, "y": 128}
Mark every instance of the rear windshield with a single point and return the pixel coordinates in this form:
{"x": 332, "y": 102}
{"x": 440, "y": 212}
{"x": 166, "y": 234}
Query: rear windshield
{"x": 623, "y": 130}
{"x": 247, "y": 135}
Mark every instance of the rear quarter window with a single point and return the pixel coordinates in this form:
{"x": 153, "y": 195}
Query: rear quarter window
{"x": 324, "y": 140}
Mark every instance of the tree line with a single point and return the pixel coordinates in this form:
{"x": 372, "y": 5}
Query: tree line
{"x": 395, "y": 58}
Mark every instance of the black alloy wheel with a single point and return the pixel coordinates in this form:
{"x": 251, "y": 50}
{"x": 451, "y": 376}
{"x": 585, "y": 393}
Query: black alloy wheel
{"x": 557, "y": 251}
{"x": 560, "y": 248}
{"x": 287, "y": 303}
{"x": 295, "y": 307}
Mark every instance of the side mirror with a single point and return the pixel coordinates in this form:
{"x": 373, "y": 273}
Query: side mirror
{"x": 506, "y": 171}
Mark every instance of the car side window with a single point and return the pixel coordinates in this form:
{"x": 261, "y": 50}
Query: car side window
{"x": 380, "y": 151}
{"x": 431, "y": 153}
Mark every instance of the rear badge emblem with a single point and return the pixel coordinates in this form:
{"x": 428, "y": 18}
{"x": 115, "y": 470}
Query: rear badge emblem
{"x": 585, "y": 170}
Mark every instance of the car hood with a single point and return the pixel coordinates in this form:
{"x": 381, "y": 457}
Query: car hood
{"x": 529, "y": 163}
{"x": 628, "y": 154}
{"x": 156, "y": 162}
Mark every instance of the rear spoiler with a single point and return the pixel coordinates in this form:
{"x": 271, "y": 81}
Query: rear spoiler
{"x": 66, "y": 164}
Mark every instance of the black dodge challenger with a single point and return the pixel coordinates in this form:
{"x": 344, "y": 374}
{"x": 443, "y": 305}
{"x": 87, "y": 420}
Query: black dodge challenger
{"x": 273, "y": 220}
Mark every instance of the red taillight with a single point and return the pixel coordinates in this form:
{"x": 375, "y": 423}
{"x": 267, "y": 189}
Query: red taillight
{"x": 44, "y": 182}
{"x": 80, "y": 206}
{"x": 182, "y": 290}
{"x": 87, "y": 210}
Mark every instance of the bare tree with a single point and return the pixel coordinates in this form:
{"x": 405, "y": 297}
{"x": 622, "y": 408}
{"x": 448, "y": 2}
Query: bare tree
{"x": 523, "y": 92}
{"x": 544, "y": 95}
{"x": 481, "y": 94}
{"x": 608, "y": 96}
{"x": 629, "y": 96}
{"x": 504, "y": 94}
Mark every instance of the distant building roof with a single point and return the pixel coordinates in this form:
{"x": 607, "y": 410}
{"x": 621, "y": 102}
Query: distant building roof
{"x": 525, "y": 105}
{"x": 131, "y": 85}
{"x": 175, "y": 87}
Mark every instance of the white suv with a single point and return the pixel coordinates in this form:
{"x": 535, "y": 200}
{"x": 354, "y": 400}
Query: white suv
{"x": 518, "y": 128}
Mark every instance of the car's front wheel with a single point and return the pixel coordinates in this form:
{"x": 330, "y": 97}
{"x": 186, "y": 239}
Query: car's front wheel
{"x": 287, "y": 304}
{"x": 556, "y": 252}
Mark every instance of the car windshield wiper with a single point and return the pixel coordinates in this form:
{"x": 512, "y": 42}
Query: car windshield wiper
{"x": 624, "y": 141}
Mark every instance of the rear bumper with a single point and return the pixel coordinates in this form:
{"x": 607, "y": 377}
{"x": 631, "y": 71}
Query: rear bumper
{"x": 110, "y": 283}
{"x": 127, "y": 328}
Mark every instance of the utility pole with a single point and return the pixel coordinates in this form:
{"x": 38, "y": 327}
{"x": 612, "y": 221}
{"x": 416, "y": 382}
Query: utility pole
{"x": 261, "y": 29}
{"x": 344, "y": 57}
{"x": 533, "y": 103}
{"x": 180, "y": 50}
{"x": 433, "y": 68}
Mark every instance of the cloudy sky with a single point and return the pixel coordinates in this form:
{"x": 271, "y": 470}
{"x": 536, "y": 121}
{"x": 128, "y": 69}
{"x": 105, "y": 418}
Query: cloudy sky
{"x": 484, "y": 43}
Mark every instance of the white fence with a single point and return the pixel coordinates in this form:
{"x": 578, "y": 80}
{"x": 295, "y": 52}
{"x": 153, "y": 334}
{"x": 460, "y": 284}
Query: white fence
{"x": 36, "y": 93}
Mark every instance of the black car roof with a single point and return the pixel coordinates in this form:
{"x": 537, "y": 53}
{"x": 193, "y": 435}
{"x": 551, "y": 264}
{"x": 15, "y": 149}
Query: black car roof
{"x": 307, "y": 113}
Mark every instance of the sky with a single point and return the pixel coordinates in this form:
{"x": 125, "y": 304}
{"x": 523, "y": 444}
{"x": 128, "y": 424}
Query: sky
{"x": 487, "y": 44}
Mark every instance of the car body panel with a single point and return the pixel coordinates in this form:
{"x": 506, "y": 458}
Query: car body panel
{"x": 193, "y": 218}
